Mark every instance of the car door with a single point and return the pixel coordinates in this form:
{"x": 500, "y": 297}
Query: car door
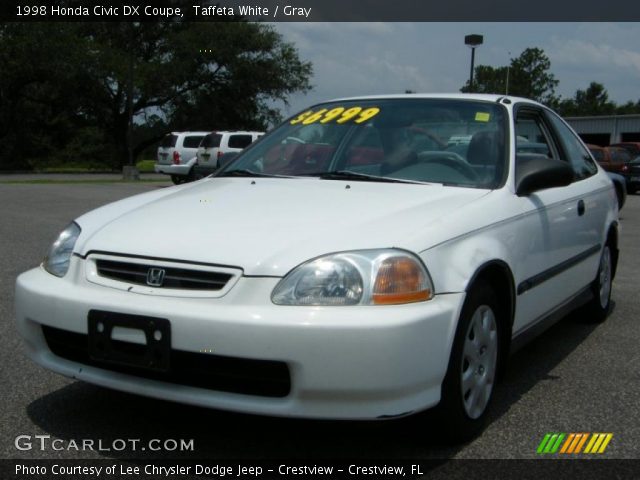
{"x": 558, "y": 231}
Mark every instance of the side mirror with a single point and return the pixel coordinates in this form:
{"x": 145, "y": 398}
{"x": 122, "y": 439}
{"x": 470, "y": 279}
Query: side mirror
{"x": 536, "y": 172}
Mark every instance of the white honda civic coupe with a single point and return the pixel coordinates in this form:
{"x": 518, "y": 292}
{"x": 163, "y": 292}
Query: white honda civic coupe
{"x": 352, "y": 264}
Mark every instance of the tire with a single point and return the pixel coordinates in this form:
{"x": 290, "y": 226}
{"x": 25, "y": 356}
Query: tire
{"x": 597, "y": 310}
{"x": 177, "y": 179}
{"x": 191, "y": 176}
{"x": 468, "y": 386}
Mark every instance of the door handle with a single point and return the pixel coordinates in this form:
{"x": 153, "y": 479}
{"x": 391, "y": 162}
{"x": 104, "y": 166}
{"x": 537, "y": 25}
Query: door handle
{"x": 580, "y": 208}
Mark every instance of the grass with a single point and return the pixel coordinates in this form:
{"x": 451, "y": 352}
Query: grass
{"x": 143, "y": 166}
{"x": 96, "y": 181}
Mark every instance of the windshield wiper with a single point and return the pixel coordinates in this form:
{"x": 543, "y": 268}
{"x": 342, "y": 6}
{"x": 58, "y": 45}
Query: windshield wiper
{"x": 248, "y": 173}
{"x": 349, "y": 175}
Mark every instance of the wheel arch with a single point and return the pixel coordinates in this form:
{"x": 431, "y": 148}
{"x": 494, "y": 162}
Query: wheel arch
{"x": 497, "y": 273}
{"x": 612, "y": 239}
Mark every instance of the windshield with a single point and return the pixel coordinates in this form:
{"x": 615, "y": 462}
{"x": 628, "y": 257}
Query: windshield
{"x": 454, "y": 142}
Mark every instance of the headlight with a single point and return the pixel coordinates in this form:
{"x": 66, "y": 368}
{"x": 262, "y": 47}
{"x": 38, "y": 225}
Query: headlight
{"x": 366, "y": 277}
{"x": 57, "y": 260}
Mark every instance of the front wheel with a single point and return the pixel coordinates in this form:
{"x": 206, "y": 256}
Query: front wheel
{"x": 468, "y": 386}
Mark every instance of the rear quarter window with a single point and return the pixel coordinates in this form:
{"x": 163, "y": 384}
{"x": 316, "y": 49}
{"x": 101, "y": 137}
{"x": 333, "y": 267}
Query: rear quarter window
{"x": 240, "y": 141}
{"x": 192, "y": 141}
{"x": 169, "y": 141}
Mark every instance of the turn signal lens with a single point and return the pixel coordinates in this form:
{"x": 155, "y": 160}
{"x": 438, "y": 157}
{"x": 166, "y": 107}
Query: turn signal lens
{"x": 400, "y": 280}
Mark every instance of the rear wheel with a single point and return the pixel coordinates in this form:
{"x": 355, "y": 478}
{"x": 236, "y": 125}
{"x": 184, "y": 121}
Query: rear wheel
{"x": 468, "y": 386}
{"x": 191, "y": 176}
{"x": 177, "y": 179}
{"x": 598, "y": 308}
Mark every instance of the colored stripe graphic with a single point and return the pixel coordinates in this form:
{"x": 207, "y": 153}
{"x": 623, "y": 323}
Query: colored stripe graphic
{"x": 550, "y": 443}
{"x": 573, "y": 443}
{"x": 543, "y": 443}
{"x": 568, "y": 442}
{"x": 598, "y": 442}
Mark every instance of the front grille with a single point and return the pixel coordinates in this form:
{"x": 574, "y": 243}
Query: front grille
{"x": 265, "y": 378}
{"x": 178, "y": 278}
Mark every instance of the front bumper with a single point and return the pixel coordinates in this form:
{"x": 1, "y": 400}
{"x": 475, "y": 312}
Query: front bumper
{"x": 344, "y": 362}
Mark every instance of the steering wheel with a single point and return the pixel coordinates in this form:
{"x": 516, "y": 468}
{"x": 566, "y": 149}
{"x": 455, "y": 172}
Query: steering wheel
{"x": 431, "y": 136}
{"x": 289, "y": 140}
{"x": 449, "y": 159}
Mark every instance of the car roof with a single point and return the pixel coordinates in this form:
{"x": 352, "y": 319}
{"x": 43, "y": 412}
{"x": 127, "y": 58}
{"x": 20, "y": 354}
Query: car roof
{"x": 245, "y": 132}
{"x": 453, "y": 96}
{"x": 188, "y": 133}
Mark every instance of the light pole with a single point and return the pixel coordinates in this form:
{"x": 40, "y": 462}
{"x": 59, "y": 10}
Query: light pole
{"x": 506, "y": 89}
{"x": 472, "y": 41}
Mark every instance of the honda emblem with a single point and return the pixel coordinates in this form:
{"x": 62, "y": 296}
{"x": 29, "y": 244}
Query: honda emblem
{"x": 155, "y": 277}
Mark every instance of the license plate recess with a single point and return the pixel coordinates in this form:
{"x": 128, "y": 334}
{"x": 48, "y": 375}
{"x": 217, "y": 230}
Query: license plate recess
{"x": 155, "y": 355}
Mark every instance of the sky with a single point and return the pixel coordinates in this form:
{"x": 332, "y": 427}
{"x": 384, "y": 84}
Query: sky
{"x": 352, "y": 59}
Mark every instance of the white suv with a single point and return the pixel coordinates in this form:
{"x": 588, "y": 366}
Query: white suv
{"x": 216, "y": 144}
{"x": 177, "y": 155}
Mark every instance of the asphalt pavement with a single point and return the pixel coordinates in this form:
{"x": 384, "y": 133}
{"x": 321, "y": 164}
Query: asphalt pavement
{"x": 576, "y": 377}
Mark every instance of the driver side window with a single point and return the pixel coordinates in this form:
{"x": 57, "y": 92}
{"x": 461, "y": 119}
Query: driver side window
{"x": 532, "y": 138}
{"x": 581, "y": 162}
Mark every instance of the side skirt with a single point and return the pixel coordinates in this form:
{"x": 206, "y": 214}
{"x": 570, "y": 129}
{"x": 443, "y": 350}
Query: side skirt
{"x": 549, "y": 319}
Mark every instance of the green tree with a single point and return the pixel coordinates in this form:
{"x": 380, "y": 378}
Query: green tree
{"x": 595, "y": 101}
{"x": 592, "y": 101}
{"x": 183, "y": 76}
{"x": 529, "y": 76}
{"x": 487, "y": 79}
{"x": 39, "y": 110}
{"x": 628, "y": 108}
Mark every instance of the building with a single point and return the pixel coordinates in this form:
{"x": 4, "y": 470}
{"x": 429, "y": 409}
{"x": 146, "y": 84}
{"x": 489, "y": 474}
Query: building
{"x": 607, "y": 129}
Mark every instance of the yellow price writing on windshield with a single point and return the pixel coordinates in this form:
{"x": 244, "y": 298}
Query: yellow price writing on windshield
{"x": 338, "y": 115}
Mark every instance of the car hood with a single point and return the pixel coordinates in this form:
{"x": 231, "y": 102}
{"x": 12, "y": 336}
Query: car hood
{"x": 267, "y": 226}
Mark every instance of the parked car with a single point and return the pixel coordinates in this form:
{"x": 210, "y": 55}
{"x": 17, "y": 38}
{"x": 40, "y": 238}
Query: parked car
{"x": 632, "y": 147}
{"x": 631, "y": 172}
{"x": 177, "y": 155}
{"x": 353, "y": 278}
{"x": 612, "y": 159}
{"x": 216, "y": 144}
